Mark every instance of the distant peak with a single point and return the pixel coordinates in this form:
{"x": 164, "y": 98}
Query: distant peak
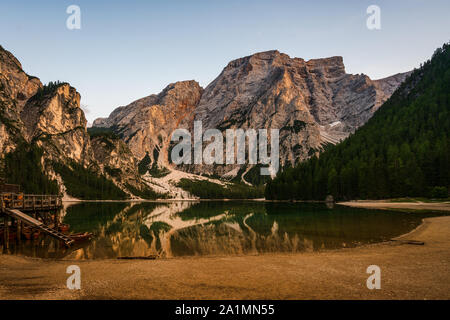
{"x": 8, "y": 58}
{"x": 329, "y": 60}
{"x": 182, "y": 86}
{"x": 183, "y": 83}
{"x": 264, "y": 55}
{"x": 334, "y": 65}
{"x": 269, "y": 53}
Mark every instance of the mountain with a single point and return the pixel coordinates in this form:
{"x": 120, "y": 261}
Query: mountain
{"x": 46, "y": 146}
{"x": 44, "y": 140}
{"x": 53, "y": 120}
{"x": 46, "y": 116}
{"x": 146, "y": 125}
{"x": 403, "y": 150}
{"x": 313, "y": 103}
{"x": 16, "y": 87}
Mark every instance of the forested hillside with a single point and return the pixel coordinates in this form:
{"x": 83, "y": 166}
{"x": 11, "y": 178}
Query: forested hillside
{"x": 403, "y": 150}
{"x": 23, "y": 166}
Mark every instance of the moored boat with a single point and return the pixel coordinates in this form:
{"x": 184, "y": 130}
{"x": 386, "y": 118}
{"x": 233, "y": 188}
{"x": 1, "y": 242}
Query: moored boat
{"x": 12, "y": 234}
{"x": 63, "y": 228}
{"x": 30, "y": 233}
{"x": 81, "y": 236}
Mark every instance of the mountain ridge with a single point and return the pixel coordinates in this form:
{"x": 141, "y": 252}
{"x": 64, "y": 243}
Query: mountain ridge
{"x": 44, "y": 127}
{"x": 312, "y": 102}
{"x": 402, "y": 151}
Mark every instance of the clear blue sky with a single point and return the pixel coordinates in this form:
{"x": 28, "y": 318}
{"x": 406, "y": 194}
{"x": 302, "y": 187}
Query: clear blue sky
{"x": 126, "y": 50}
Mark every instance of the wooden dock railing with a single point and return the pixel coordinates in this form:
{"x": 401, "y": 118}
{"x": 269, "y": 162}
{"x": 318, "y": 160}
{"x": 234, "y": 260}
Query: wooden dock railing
{"x": 20, "y": 208}
{"x": 26, "y": 202}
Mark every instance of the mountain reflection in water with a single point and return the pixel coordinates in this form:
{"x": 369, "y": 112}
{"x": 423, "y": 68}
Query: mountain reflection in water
{"x": 186, "y": 228}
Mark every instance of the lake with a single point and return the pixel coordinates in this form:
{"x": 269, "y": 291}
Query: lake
{"x": 184, "y": 228}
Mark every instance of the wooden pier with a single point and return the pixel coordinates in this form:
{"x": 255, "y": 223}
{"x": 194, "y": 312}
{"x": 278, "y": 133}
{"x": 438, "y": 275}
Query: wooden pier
{"x": 35, "y": 211}
{"x": 22, "y": 217}
{"x": 30, "y": 202}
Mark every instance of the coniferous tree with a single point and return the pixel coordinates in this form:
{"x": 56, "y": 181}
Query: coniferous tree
{"x": 403, "y": 150}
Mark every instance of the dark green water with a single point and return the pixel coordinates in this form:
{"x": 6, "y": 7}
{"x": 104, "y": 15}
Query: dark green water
{"x": 222, "y": 228}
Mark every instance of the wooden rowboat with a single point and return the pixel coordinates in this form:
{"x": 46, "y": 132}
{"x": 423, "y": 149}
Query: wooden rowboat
{"x": 12, "y": 234}
{"x": 81, "y": 236}
{"x": 150, "y": 257}
{"x": 63, "y": 227}
{"x": 30, "y": 234}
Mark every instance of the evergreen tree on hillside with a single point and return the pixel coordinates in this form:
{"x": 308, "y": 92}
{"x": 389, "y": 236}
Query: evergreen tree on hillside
{"x": 403, "y": 150}
{"x": 2, "y": 170}
{"x": 23, "y": 166}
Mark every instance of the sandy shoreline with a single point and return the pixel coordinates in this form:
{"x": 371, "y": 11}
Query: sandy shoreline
{"x": 383, "y": 204}
{"x": 407, "y": 272}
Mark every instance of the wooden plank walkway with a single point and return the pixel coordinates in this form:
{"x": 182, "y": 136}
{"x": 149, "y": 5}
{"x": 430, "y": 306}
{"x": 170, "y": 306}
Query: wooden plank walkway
{"x": 15, "y": 204}
{"x": 16, "y": 214}
{"x": 24, "y": 217}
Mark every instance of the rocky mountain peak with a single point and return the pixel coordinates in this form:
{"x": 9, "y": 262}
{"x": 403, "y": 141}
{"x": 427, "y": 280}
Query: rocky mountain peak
{"x": 266, "y": 55}
{"x": 146, "y": 125}
{"x": 312, "y": 103}
{"x": 63, "y": 103}
{"x": 184, "y": 92}
{"x": 17, "y": 87}
{"x": 332, "y": 67}
{"x": 54, "y": 120}
{"x": 8, "y": 61}
{"x": 50, "y": 117}
{"x": 246, "y": 79}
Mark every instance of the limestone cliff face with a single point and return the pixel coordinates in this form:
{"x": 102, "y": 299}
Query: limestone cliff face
{"x": 387, "y": 86}
{"x": 54, "y": 121}
{"x": 116, "y": 160}
{"x": 312, "y": 103}
{"x": 51, "y": 118}
{"x": 146, "y": 125}
{"x": 16, "y": 87}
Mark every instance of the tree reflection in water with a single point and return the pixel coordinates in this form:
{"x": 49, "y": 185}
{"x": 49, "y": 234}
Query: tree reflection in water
{"x": 184, "y": 228}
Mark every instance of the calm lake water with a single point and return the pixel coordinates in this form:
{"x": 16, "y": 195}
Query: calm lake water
{"x": 219, "y": 228}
